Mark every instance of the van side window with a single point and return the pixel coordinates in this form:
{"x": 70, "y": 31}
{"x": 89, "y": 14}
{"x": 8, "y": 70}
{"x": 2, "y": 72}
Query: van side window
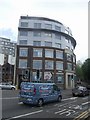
{"x": 55, "y": 87}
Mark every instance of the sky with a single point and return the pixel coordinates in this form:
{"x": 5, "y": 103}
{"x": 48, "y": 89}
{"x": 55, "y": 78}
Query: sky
{"x": 72, "y": 13}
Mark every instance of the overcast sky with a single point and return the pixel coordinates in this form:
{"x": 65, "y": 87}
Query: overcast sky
{"x": 72, "y": 13}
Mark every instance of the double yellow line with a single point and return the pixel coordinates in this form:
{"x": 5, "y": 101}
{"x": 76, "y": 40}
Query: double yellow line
{"x": 83, "y": 115}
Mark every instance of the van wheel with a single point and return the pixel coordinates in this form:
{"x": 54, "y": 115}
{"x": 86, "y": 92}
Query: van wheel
{"x": 59, "y": 99}
{"x": 40, "y": 102}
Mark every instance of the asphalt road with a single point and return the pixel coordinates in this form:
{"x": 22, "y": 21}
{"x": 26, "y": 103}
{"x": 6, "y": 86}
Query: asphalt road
{"x": 69, "y": 107}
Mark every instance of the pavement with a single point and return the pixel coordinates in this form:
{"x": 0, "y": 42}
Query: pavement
{"x": 66, "y": 92}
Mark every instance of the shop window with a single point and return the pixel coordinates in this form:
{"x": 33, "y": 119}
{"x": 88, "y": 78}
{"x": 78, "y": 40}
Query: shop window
{"x": 60, "y": 77}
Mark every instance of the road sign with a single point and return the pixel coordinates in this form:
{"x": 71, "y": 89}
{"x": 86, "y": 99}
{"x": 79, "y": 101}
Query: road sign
{"x": 47, "y": 75}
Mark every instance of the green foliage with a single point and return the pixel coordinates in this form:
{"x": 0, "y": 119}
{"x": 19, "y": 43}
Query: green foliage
{"x": 79, "y": 73}
{"x": 86, "y": 70}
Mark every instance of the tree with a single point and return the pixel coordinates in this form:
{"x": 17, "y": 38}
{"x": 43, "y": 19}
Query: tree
{"x": 86, "y": 70}
{"x": 79, "y": 73}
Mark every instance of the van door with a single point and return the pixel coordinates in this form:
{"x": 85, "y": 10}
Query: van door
{"x": 55, "y": 93}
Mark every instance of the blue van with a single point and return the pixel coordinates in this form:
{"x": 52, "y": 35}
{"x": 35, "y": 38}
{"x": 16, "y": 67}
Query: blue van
{"x": 39, "y": 93}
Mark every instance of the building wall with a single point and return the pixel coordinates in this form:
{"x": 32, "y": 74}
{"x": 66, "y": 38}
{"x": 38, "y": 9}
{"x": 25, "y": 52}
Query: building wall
{"x": 7, "y": 56}
{"x": 35, "y": 30}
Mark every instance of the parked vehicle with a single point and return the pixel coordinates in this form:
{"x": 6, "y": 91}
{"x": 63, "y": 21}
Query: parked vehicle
{"x": 80, "y": 91}
{"x": 7, "y": 86}
{"x": 39, "y": 93}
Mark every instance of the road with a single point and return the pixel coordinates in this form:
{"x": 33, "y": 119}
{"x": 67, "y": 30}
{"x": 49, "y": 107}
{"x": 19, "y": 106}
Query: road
{"x": 69, "y": 107}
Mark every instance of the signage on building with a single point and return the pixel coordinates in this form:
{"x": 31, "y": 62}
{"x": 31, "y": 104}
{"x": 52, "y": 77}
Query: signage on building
{"x": 47, "y": 75}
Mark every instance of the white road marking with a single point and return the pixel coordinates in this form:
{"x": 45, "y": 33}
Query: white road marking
{"x": 25, "y": 115}
{"x": 68, "y": 112}
{"x": 59, "y": 111}
{"x": 66, "y": 103}
{"x": 20, "y": 103}
{"x": 78, "y": 107}
{"x": 72, "y": 98}
{"x": 86, "y": 103}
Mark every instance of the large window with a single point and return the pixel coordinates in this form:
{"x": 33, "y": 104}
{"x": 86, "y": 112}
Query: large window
{"x": 59, "y": 54}
{"x": 37, "y": 25}
{"x": 48, "y": 26}
{"x": 37, "y": 52}
{"x": 69, "y": 66}
{"x": 74, "y": 59}
{"x": 24, "y": 24}
{"x": 23, "y": 52}
{"x": 36, "y": 78}
{"x": 49, "y": 53}
{"x": 57, "y": 36}
{"x": 36, "y": 43}
{"x": 23, "y": 33}
{"x": 23, "y": 42}
{"x": 59, "y": 65}
{"x": 22, "y": 63}
{"x": 60, "y": 78}
{"x": 69, "y": 57}
{"x": 49, "y": 44}
{"x": 57, "y": 28}
{"x": 48, "y": 34}
{"x": 37, "y": 34}
{"x": 48, "y": 64}
{"x": 37, "y": 64}
{"x": 58, "y": 45}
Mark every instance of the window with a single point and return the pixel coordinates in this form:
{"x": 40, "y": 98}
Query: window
{"x": 67, "y": 47}
{"x": 59, "y": 65}
{"x": 60, "y": 77}
{"x": 22, "y": 63}
{"x": 48, "y": 34}
{"x": 69, "y": 66}
{"x": 23, "y": 52}
{"x": 36, "y": 43}
{"x": 37, "y": 34}
{"x": 74, "y": 59}
{"x": 59, "y": 54}
{"x": 37, "y": 52}
{"x": 37, "y": 64}
{"x": 23, "y": 33}
{"x": 57, "y": 28}
{"x": 57, "y": 36}
{"x": 58, "y": 45}
{"x": 48, "y": 44}
{"x": 69, "y": 57}
{"x": 48, "y": 64}
{"x": 24, "y": 24}
{"x": 34, "y": 77}
{"x": 37, "y": 25}
{"x": 55, "y": 87}
{"x": 66, "y": 31}
{"x": 67, "y": 39}
{"x": 48, "y": 26}
{"x": 49, "y": 53}
{"x": 23, "y": 42}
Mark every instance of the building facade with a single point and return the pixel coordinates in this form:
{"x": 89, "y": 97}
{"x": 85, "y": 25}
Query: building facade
{"x": 45, "y": 52}
{"x": 7, "y": 59}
